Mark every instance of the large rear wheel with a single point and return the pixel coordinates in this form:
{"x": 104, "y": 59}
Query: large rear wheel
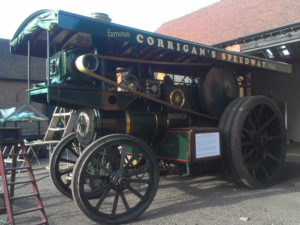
{"x": 253, "y": 140}
{"x": 115, "y": 179}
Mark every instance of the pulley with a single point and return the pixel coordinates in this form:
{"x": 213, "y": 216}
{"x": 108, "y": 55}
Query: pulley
{"x": 217, "y": 88}
{"x": 86, "y": 124}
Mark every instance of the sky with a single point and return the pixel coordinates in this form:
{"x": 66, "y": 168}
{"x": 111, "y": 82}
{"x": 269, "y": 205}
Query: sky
{"x": 142, "y": 14}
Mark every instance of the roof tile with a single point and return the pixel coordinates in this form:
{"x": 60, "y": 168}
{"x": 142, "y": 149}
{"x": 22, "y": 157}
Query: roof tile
{"x": 230, "y": 19}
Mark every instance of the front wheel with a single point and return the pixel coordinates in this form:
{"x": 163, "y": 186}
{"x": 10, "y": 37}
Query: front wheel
{"x": 115, "y": 179}
{"x": 253, "y": 136}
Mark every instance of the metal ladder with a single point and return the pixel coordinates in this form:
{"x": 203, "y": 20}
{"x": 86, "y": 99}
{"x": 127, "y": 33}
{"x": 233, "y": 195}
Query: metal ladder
{"x": 12, "y": 138}
{"x": 64, "y": 116}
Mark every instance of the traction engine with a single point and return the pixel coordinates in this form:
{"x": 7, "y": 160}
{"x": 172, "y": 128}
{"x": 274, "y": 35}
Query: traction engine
{"x": 142, "y": 100}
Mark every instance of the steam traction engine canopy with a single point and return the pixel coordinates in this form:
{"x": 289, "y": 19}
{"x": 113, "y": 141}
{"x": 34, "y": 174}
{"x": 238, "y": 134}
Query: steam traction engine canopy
{"x": 69, "y": 30}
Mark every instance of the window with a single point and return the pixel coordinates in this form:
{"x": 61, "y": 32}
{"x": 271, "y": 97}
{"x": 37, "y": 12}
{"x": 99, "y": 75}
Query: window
{"x": 284, "y": 51}
{"x": 270, "y": 53}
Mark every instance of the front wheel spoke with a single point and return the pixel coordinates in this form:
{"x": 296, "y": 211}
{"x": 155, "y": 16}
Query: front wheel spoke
{"x": 101, "y": 199}
{"x": 115, "y": 204}
{"x": 101, "y": 166}
{"x": 268, "y": 154}
{"x": 138, "y": 194}
{"x": 65, "y": 171}
{"x": 93, "y": 192}
{"x": 267, "y": 123}
{"x": 67, "y": 161}
{"x": 124, "y": 201}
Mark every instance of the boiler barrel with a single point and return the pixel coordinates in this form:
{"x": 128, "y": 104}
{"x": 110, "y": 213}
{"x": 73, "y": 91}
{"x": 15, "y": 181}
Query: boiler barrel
{"x": 91, "y": 124}
{"x": 148, "y": 126}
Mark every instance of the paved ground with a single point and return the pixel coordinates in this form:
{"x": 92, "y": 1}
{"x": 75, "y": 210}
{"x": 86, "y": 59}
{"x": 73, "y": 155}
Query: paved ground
{"x": 209, "y": 199}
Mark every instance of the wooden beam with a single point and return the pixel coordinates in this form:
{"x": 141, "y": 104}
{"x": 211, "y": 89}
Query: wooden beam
{"x": 271, "y": 41}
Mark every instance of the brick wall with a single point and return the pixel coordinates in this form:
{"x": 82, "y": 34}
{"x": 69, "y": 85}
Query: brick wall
{"x": 13, "y": 94}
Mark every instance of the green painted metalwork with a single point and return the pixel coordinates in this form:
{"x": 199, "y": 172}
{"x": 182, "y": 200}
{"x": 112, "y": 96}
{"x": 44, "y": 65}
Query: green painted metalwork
{"x": 63, "y": 71}
{"x": 175, "y": 146}
{"x": 75, "y": 98}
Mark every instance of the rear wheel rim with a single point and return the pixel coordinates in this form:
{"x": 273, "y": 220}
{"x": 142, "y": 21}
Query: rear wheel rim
{"x": 262, "y": 142}
{"x": 253, "y": 140}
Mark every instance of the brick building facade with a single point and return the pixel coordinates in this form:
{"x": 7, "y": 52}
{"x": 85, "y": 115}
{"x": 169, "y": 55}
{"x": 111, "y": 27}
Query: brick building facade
{"x": 13, "y": 77}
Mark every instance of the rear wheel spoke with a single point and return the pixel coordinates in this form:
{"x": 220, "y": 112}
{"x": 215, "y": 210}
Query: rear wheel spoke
{"x": 275, "y": 137}
{"x": 247, "y": 143}
{"x": 265, "y": 171}
{"x": 251, "y": 122}
{"x": 248, "y": 154}
{"x": 268, "y": 154}
{"x": 267, "y": 123}
{"x": 261, "y": 109}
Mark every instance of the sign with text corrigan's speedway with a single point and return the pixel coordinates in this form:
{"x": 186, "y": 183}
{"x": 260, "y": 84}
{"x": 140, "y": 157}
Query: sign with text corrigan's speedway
{"x": 169, "y": 43}
{"x": 194, "y": 49}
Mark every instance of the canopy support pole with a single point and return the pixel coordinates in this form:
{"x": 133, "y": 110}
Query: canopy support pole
{"x": 48, "y": 65}
{"x": 28, "y": 71}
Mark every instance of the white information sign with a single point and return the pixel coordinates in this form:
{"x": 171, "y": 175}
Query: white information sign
{"x": 207, "y": 144}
